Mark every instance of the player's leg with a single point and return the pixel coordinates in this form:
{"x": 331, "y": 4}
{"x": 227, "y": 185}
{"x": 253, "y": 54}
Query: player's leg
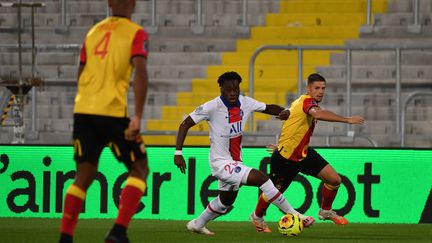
{"x": 332, "y": 182}
{"x": 259, "y": 179}
{"x": 315, "y": 165}
{"x": 130, "y": 197}
{"x": 330, "y": 188}
{"x": 87, "y": 150}
{"x": 229, "y": 175}
{"x": 74, "y": 199}
{"x": 133, "y": 155}
{"x": 282, "y": 172}
{"x": 221, "y": 205}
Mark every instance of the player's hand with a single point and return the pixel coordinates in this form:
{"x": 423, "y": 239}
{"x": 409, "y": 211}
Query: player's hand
{"x": 356, "y": 120}
{"x": 283, "y": 115}
{"x": 132, "y": 132}
{"x": 271, "y": 148}
{"x": 180, "y": 163}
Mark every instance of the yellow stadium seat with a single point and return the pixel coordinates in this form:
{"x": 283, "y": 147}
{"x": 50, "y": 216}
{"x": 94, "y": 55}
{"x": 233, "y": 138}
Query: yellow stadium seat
{"x": 300, "y": 22}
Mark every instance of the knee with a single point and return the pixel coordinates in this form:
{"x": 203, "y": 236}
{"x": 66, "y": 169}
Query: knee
{"x": 85, "y": 179}
{"x": 335, "y": 180}
{"x": 140, "y": 169}
{"x": 263, "y": 178}
{"x": 257, "y": 178}
{"x": 227, "y": 201}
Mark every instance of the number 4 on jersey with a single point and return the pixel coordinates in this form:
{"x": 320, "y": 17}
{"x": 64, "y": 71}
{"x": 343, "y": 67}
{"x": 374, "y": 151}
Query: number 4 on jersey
{"x": 102, "y": 46}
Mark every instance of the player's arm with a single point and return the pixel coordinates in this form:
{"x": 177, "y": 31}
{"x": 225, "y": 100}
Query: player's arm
{"x": 80, "y": 70}
{"x": 83, "y": 60}
{"x": 139, "y": 62}
{"x": 275, "y": 110}
{"x": 140, "y": 85}
{"x": 181, "y": 136}
{"x": 326, "y": 115}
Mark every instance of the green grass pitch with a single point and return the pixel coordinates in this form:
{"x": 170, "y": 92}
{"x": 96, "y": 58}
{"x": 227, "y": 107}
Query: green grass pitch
{"x": 46, "y": 230}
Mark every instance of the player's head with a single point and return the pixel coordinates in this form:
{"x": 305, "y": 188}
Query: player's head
{"x": 122, "y": 7}
{"x": 316, "y": 86}
{"x": 229, "y": 84}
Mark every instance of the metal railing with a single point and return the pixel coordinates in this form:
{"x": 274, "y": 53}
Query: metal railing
{"x": 348, "y": 51}
{"x": 197, "y": 28}
{"x": 408, "y": 99}
{"x": 368, "y": 27}
{"x": 300, "y": 50}
{"x": 415, "y": 27}
{"x": 244, "y": 27}
{"x": 369, "y": 12}
{"x": 261, "y": 134}
{"x": 19, "y": 87}
{"x": 153, "y": 28}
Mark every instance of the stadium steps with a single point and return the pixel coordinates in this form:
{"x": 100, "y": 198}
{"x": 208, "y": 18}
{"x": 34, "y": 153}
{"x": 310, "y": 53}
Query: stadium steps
{"x": 372, "y": 106}
{"x": 188, "y": 44}
{"x": 403, "y": 6}
{"x": 310, "y": 58}
{"x": 378, "y": 72}
{"x": 175, "y": 49}
{"x": 408, "y": 57}
{"x": 402, "y": 19}
{"x": 177, "y": 17}
{"x": 275, "y": 70}
{"x": 144, "y": 19}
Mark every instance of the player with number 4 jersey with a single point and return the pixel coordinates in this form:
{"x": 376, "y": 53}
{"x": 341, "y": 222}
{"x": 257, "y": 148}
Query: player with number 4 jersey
{"x": 111, "y": 50}
{"x": 106, "y": 56}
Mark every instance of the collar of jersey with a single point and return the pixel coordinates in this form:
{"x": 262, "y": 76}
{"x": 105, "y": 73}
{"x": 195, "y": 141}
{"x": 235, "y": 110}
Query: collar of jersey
{"x": 119, "y": 16}
{"x": 228, "y": 105}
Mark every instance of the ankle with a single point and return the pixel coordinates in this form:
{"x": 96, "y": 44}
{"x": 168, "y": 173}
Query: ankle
{"x": 65, "y": 238}
{"x": 118, "y": 229}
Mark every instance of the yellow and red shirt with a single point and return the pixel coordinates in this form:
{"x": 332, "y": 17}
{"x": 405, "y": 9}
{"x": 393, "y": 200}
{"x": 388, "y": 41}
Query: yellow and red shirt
{"x": 297, "y": 129}
{"x": 106, "y": 55}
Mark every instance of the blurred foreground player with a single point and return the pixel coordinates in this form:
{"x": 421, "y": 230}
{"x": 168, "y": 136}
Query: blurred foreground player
{"x": 293, "y": 154}
{"x": 111, "y": 50}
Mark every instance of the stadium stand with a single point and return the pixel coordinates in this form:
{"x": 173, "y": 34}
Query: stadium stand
{"x": 183, "y": 66}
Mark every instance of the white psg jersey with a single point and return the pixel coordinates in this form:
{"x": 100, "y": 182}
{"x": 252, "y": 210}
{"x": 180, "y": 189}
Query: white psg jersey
{"x": 226, "y": 125}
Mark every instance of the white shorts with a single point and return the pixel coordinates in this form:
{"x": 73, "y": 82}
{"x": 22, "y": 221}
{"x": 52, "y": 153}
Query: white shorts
{"x": 230, "y": 174}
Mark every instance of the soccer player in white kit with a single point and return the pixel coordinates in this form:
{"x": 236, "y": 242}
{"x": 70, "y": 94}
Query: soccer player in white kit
{"x": 226, "y": 116}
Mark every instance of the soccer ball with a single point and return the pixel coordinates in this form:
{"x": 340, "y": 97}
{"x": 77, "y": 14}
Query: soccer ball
{"x": 290, "y": 225}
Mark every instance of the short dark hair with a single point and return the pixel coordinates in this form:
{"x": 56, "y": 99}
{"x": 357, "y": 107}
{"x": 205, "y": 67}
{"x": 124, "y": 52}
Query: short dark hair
{"x": 228, "y": 76}
{"x": 314, "y": 77}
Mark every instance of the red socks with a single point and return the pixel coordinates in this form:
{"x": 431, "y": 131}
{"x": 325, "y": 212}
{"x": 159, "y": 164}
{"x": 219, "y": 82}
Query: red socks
{"x": 73, "y": 204}
{"x": 129, "y": 200}
{"x": 262, "y": 206}
{"x": 328, "y": 195}
{"x": 74, "y": 201}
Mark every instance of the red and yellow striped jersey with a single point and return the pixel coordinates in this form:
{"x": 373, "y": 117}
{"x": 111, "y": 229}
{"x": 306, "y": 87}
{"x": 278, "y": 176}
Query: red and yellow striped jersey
{"x": 106, "y": 55}
{"x": 297, "y": 129}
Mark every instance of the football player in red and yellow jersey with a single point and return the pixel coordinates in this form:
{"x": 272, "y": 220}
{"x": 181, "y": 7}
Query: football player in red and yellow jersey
{"x": 293, "y": 154}
{"x": 111, "y": 50}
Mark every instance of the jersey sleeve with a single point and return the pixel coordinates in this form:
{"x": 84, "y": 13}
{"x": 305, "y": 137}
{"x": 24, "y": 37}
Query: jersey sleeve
{"x": 255, "y": 104}
{"x": 83, "y": 54}
{"x": 202, "y": 112}
{"x": 140, "y": 44}
{"x": 308, "y": 104}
